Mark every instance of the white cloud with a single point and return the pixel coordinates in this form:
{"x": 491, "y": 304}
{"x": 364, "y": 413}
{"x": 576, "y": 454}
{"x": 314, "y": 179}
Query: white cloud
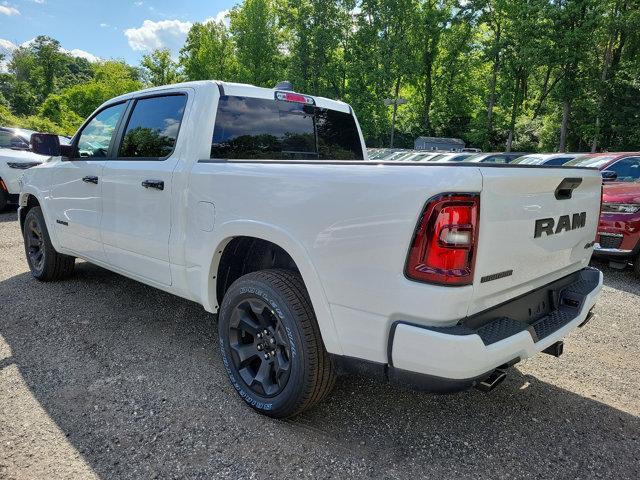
{"x": 9, "y": 11}
{"x": 153, "y": 35}
{"x": 6, "y": 46}
{"x": 76, "y": 52}
{"x": 6, "y": 49}
{"x": 221, "y": 17}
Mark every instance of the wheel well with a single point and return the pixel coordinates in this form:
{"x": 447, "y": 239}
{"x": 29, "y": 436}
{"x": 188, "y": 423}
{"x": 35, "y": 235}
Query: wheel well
{"x": 31, "y": 202}
{"x": 244, "y": 255}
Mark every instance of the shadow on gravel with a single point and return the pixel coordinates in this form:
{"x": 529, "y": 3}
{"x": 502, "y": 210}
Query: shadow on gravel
{"x": 134, "y": 379}
{"x": 8, "y": 215}
{"x": 624, "y": 280}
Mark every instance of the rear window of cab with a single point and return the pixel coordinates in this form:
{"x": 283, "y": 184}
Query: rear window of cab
{"x": 262, "y": 129}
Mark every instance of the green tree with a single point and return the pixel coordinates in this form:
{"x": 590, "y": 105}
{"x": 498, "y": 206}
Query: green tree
{"x": 160, "y": 69}
{"x": 208, "y": 53}
{"x": 73, "y": 104}
{"x": 254, "y": 27}
{"x": 317, "y": 36}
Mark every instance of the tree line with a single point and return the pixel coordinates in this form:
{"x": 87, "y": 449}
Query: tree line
{"x": 528, "y": 75}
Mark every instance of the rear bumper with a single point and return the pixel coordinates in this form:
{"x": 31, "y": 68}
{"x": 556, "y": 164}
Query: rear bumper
{"x": 453, "y": 358}
{"x": 616, "y": 253}
{"x": 618, "y": 236}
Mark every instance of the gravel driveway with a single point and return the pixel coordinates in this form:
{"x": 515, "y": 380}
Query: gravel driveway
{"x": 103, "y": 377}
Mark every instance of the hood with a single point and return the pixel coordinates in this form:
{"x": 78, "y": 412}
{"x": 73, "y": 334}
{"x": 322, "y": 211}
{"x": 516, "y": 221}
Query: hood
{"x": 628, "y": 192}
{"x": 8, "y": 155}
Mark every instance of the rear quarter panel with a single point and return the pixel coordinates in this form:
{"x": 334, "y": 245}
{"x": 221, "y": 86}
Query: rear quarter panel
{"x": 348, "y": 227}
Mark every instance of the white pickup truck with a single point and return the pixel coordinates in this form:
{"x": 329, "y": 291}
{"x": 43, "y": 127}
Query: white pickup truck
{"x": 261, "y": 206}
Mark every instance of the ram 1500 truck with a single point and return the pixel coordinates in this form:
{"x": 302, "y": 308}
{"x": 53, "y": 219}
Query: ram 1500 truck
{"x": 262, "y": 206}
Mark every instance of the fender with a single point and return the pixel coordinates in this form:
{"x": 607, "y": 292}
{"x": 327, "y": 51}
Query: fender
{"x": 235, "y": 228}
{"x": 41, "y": 196}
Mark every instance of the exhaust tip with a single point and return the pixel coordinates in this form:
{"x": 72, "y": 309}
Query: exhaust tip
{"x": 492, "y": 381}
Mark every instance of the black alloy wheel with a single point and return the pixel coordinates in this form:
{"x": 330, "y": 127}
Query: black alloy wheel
{"x": 260, "y": 349}
{"x": 34, "y": 245}
{"x": 271, "y": 346}
{"x": 45, "y": 263}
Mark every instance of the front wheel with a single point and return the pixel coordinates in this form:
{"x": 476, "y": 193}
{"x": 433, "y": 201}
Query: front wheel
{"x": 4, "y": 200}
{"x": 44, "y": 262}
{"x": 271, "y": 345}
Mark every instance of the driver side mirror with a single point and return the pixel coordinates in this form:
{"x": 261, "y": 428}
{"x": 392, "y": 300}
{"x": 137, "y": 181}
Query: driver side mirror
{"x": 45, "y": 144}
{"x": 609, "y": 176}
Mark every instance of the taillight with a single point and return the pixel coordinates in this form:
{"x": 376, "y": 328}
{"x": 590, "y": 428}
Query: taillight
{"x": 444, "y": 244}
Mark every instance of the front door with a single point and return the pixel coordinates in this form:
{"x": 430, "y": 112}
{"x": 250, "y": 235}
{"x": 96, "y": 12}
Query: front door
{"x": 137, "y": 188}
{"x": 76, "y": 186}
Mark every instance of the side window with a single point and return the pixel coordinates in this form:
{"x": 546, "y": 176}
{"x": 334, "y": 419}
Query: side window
{"x": 495, "y": 159}
{"x": 153, "y": 127}
{"x": 628, "y": 169}
{"x": 5, "y": 139}
{"x": 95, "y": 137}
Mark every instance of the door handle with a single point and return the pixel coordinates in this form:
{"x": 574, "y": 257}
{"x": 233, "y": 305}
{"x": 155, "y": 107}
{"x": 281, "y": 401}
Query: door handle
{"x": 157, "y": 184}
{"x": 90, "y": 179}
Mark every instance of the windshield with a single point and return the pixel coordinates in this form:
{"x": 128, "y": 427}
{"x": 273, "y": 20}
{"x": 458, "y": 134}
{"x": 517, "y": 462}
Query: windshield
{"x": 592, "y": 162}
{"x": 530, "y": 160}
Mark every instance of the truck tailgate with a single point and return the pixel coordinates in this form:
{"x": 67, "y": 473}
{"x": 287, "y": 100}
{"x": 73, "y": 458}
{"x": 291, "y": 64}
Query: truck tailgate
{"x": 529, "y": 234}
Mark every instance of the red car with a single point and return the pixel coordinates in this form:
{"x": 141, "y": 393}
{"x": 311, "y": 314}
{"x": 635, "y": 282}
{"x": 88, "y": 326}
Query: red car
{"x": 619, "y": 231}
{"x": 615, "y": 167}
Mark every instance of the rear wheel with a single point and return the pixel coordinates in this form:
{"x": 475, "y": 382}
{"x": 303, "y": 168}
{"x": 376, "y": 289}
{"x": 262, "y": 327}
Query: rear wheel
{"x": 271, "y": 345}
{"x": 44, "y": 262}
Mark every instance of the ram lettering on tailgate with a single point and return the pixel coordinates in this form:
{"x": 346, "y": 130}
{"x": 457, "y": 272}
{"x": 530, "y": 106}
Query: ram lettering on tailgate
{"x": 565, "y": 222}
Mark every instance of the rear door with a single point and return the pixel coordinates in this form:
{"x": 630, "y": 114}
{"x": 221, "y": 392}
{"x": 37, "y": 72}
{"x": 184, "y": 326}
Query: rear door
{"x": 137, "y": 187}
{"x": 529, "y": 235}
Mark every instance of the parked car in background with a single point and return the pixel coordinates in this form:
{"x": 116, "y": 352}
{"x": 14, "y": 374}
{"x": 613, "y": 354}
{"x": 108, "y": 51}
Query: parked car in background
{"x": 618, "y": 237}
{"x": 451, "y": 157}
{"x": 15, "y": 157}
{"x": 551, "y": 159}
{"x": 494, "y": 157}
{"x": 616, "y": 167}
{"x": 401, "y": 155}
{"x": 420, "y": 156}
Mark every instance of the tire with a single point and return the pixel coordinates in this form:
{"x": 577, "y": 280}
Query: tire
{"x": 45, "y": 263}
{"x": 636, "y": 266}
{"x": 4, "y": 200}
{"x": 293, "y": 371}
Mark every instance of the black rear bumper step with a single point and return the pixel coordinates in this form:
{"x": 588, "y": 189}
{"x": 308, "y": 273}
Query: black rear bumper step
{"x": 540, "y": 312}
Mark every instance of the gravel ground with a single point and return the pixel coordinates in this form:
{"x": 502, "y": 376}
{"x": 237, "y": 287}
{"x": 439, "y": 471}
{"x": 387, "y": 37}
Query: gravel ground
{"x": 104, "y": 377}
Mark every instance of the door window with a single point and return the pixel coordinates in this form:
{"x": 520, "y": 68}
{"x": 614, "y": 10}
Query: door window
{"x": 153, "y": 127}
{"x": 96, "y": 136}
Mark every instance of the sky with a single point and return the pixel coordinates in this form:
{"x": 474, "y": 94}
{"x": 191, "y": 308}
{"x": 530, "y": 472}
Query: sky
{"x": 124, "y": 29}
